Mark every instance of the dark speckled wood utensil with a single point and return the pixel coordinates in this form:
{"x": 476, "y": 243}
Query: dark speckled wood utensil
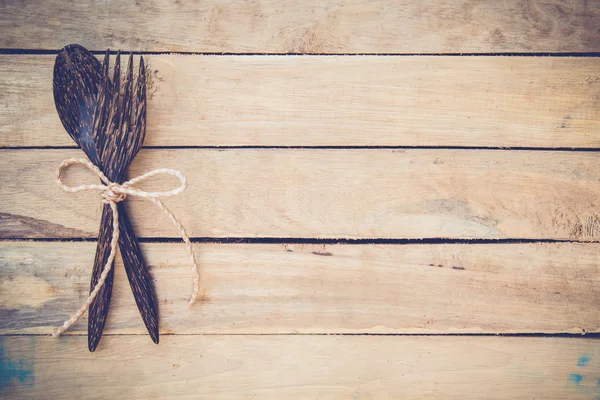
{"x": 109, "y": 124}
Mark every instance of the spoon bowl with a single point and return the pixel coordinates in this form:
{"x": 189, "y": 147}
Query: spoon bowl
{"x": 77, "y": 79}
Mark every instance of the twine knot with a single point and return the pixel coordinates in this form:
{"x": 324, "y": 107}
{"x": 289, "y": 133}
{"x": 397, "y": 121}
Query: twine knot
{"x": 113, "y": 193}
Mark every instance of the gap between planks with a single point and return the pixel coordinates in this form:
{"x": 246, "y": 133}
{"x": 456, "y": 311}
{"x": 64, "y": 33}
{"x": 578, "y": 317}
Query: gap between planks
{"x": 293, "y": 240}
{"x": 28, "y": 52}
{"x": 584, "y": 335}
{"x": 193, "y": 147}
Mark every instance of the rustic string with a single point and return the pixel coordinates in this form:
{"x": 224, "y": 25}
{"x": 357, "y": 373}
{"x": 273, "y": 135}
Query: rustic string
{"x": 113, "y": 193}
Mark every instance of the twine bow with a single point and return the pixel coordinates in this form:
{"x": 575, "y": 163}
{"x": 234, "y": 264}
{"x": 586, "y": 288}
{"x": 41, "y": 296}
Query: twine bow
{"x": 112, "y": 193}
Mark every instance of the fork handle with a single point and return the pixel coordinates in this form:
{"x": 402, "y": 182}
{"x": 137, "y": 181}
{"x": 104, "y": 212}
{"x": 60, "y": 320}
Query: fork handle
{"x": 137, "y": 272}
{"x": 140, "y": 279}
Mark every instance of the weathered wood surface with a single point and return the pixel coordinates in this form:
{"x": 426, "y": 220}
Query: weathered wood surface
{"x": 301, "y": 367}
{"x": 281, "y": 289}
{"x": 335, "y": 101}
{"x": 323, "y": 194}
{"x": 313, "y": 26}
{"x": 266, "y": 323}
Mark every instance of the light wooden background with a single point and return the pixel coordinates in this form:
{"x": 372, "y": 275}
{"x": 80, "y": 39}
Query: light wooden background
{"x": 389, "y": 201}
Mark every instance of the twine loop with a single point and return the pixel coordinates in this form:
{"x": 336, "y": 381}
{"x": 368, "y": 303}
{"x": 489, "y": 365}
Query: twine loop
{"x": 113, "y": 193}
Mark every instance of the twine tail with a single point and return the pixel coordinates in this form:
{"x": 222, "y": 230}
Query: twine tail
{"x": 188, "y": 249}
{"x": 107, "y": 267}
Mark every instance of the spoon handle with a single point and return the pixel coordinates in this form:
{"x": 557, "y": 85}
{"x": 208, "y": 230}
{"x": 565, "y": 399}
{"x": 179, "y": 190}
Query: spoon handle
{"x": 137, "y": 272}
{"x": 98, "y": 310}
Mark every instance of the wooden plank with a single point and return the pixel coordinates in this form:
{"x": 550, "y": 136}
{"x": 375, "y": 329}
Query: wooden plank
{"x": 302, "y": 367}
{"x": 335, "y": 101}
{"x": 352, "y": 26}
{"x": 501, "y": 288}
{"x": 322, "y": 194}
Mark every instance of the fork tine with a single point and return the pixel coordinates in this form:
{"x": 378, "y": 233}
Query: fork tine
{"x": 101, "y": 115}
{"x": 127, "y": 103}
{"x": 117, "y": 72}
{"x": 140, "y": 108}
{"x": 116, "y": 101}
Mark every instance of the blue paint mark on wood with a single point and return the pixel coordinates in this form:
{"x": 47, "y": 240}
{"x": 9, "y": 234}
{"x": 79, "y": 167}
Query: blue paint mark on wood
{"x": 598, "y": 384}
{"x": 575, "y": 378}
{"x": 584, "y": 360}
{"x": 11, "y": 370}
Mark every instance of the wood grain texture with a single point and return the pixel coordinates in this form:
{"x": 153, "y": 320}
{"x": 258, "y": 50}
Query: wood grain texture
{"x": 335, "y": 101}
{"x": 350, "y": 26}
{"x": 301, "y": 367}
{"x": 326, "y": 194}
{"x": 283, "y": 289}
